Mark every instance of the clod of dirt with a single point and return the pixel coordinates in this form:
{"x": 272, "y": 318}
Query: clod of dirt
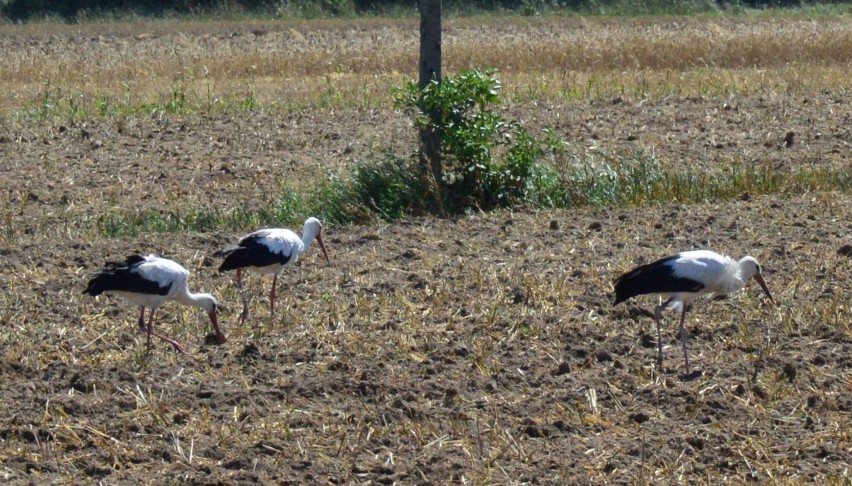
{"x": 845, "y": 250}
{"x": 250, "y": 351}
{"x": 554, "y": 225}
{"x": 640, "y": 417}
{"x": 338, "y": 366}
{"x": 410, "y": 255}
{"x": 696, "y": 442}
{"x": 788, "y": 139}
{"x": 603, "y": 356}
{"x": 79, "y": 384}
{"x": 563, "y": 369}
{"x": 214, "y": 339}
{"x": 596, "y": 226}
{"x": 96, "y": 472}
{"x": 693, "y": 376}
{"x": 647, "y": 341}
{"x": 417, "y": 281}
{"x": 790, "y": 372}
{"x": 818, "y": 360}
{"x": 535, "y": 431}
{"x": 745, "y": 197}
{"x": 449, "y": 397}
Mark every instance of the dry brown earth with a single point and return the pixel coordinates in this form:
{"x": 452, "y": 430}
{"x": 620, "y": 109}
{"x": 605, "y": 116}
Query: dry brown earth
{"x": 479, "y": 350}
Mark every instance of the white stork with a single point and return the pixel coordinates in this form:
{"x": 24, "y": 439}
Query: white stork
{"x": 150, "y": 281}
{"x": 268, "y": 251}
{"x": 682, "y": 278}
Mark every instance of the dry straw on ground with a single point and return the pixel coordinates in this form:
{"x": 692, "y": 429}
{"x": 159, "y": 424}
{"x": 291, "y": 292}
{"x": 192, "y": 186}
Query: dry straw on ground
{"x": 480, "y": 350}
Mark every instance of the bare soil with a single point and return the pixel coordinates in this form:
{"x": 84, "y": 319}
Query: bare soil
{"x": 483, "y": 349}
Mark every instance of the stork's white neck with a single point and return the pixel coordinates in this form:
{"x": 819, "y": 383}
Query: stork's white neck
{"x": 201, "y": 300}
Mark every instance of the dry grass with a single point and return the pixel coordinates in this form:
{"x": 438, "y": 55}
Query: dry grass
{"x": 109, "y": 68}
{"x": 432, "y": 352}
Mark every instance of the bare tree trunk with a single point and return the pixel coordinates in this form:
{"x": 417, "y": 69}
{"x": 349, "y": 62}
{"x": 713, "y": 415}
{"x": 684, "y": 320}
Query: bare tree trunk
{"x": 430, "y": 69}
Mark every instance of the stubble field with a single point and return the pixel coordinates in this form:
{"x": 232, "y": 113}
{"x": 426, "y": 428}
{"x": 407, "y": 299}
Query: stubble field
{"x": 477, "y": 350}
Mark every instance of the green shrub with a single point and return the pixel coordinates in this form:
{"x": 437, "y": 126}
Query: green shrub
{"x": 487, "y": 160}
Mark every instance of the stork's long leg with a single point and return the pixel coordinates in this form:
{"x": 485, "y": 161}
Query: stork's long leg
{"x": 683, "y": 337}
{"x": 272, "y": 296}
{"x": 150, "y": 329}
{"x": 150, "y": 332}
{"x": 141, "y": 322}
{"x": 245, "y": 312}
{"x": 657, "y": 316}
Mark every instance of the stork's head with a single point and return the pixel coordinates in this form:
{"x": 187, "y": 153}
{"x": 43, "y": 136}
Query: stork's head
{"x": 209, "y": 304}
{"x": 750, "y": 268}
{"x": 313, "y": 227}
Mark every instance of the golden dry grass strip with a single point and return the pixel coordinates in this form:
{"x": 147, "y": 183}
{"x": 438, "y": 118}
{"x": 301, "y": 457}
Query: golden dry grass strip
{"x": 215, "y": 65}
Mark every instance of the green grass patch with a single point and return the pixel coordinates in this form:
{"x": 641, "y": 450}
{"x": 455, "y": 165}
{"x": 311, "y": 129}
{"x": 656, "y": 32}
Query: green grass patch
{"x": 637, "y": 178}
{"x": 286, "y": 210}
{"x": 391, "y": 188}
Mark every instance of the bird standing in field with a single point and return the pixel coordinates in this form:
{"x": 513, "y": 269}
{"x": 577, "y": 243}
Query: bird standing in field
{"x": 150, "y": 281}
{"x": 682, "y": 278}
{"x": 268, "y": 251}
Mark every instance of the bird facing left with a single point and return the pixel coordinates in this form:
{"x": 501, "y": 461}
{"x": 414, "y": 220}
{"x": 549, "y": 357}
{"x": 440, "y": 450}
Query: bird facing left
{"x": 149, "y": 282}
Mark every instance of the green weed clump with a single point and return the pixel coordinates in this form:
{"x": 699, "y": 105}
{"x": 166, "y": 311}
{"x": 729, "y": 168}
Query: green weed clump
{"x": 392, "y": 188}
{"x": 286, "y": 210}
{"x": 389, "y": 188}
{"x": 638, "y": 178}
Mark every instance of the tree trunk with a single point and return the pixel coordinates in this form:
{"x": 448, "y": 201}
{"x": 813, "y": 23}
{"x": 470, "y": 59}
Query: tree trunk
{"x": 430, "y": 69}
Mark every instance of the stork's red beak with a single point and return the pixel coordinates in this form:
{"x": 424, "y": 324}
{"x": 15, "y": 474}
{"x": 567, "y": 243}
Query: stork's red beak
{"x": 762, "y": 283}
{"x": 215, "y": 321}
{"x": 322, "y": 247}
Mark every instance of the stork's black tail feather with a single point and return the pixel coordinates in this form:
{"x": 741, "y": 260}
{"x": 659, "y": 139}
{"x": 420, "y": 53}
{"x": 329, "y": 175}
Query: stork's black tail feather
{"x": 652, "y": 278}
{"x": 234, "y": 256}
{"x": 107, "y": 279}
{"x": 119, "y": 276}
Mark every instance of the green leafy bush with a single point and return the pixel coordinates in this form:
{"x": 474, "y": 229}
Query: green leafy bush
{"x": 487, "y": 160}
